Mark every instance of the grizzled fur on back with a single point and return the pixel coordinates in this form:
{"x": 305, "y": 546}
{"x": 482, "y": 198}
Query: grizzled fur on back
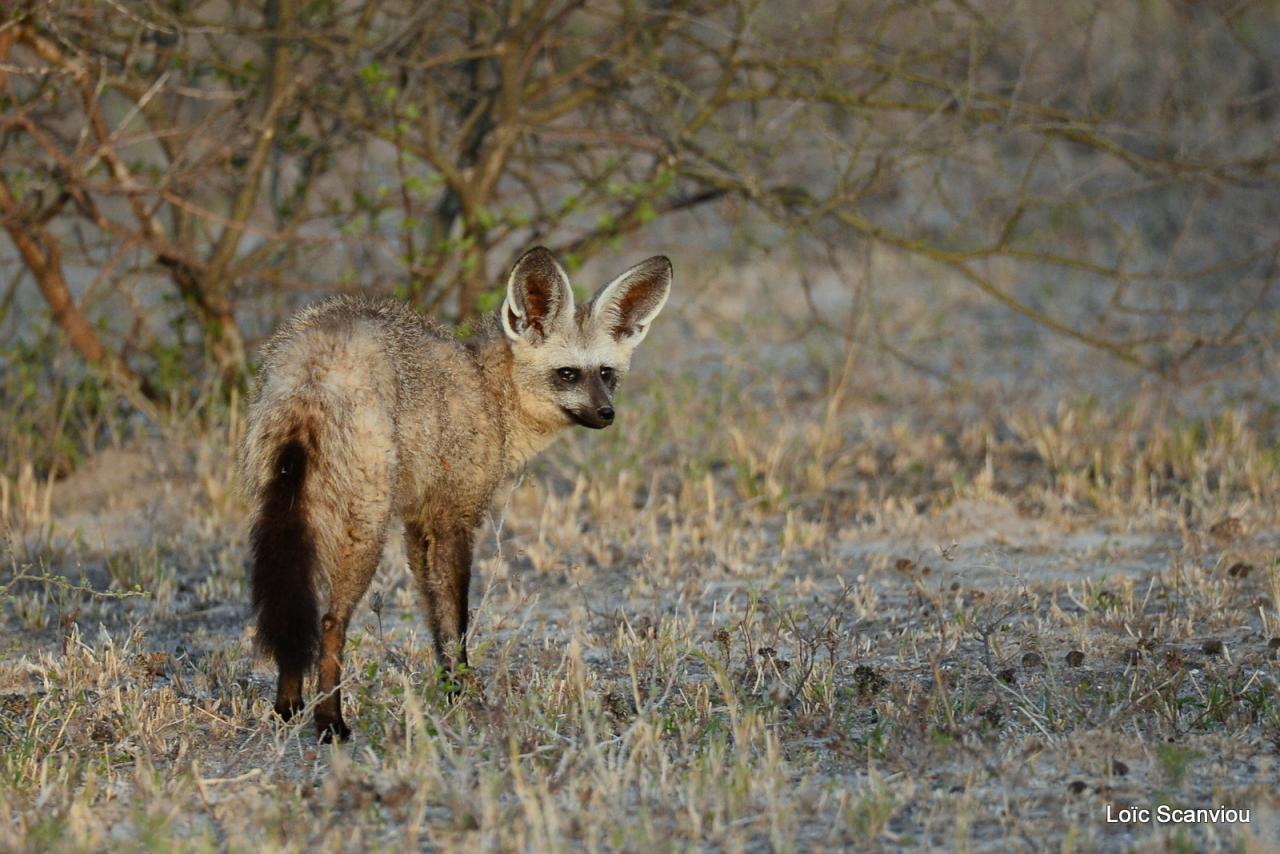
{"x": 357, "y": 368}
{"x": 364, "y": 412}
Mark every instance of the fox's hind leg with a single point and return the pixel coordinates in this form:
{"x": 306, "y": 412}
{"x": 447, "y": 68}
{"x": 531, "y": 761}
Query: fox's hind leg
{"x": 356, "y": 564}
{"x": 441, "y": 564}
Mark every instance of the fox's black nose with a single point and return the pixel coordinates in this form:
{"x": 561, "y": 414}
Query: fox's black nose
{"x": 606, "y": 414}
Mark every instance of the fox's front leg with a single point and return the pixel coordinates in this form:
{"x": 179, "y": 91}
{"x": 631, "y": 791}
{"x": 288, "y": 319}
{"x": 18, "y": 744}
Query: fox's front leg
{"x": 441, "y": 564}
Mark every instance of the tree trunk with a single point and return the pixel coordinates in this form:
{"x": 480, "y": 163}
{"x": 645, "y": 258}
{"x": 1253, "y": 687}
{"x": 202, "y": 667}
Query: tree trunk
{"x": 43, "y": 257}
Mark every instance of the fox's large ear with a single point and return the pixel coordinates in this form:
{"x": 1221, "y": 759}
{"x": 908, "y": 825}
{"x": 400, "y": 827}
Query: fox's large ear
{"x": 538, "y": 297}
{"x": 627, "y": 305}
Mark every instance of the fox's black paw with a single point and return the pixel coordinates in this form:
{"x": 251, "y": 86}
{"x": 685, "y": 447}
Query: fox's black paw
{"x": 333, "y": 732}
{"x": 286, "y": 711}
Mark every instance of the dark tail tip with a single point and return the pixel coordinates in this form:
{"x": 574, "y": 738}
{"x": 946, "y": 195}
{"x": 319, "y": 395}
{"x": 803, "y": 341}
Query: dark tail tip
{"x": 284, "y": 559}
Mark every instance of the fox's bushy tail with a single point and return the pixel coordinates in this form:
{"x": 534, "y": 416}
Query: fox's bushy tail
{"x": 284, "y": 565}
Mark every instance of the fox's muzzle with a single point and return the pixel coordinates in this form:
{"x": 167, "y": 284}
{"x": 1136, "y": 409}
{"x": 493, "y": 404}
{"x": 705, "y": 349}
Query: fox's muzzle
{"x": 597, "y": 420}
{"x": 598, "y": 412}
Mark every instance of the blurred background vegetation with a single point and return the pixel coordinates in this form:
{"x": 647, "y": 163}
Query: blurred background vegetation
{"x": 174, "y": 177}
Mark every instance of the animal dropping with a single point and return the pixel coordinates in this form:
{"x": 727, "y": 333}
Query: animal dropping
{"x": 364, "y": 413}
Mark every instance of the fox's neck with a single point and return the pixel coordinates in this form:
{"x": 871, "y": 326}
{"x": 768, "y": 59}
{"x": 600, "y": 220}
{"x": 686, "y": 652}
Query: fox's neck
{"x": 528, "y": 428}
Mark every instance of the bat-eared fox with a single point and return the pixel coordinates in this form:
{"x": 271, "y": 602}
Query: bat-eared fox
{"x": 364, "y": 412}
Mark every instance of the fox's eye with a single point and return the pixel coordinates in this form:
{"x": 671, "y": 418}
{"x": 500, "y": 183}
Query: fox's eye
{"x": 569, "y": 375}
{"x": 606, "y": 374}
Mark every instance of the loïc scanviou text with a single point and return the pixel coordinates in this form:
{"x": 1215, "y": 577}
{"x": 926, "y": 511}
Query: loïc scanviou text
{"x": 1166, "y": 814}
